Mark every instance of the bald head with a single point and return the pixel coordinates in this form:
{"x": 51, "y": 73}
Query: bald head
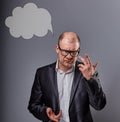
{"x": 71, "y": 37}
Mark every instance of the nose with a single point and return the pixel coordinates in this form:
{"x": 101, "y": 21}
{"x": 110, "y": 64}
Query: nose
{"x": 69, "y": 56}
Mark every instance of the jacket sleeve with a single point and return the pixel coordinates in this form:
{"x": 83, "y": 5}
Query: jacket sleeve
{"x": 97, "y": 97}
{"x": 36, "y": 105}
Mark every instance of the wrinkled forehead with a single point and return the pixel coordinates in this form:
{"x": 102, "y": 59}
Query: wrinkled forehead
{"x": 69, "y": 43}
{"x": 69, "y": 38}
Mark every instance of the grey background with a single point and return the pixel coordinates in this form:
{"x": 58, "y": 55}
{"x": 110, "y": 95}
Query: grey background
{"x": 98, "y": 24}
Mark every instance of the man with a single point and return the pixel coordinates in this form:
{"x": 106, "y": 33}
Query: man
{"x": 63, "y": 91}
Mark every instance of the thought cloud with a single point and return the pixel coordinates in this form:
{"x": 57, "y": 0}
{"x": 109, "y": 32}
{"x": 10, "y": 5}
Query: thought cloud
{"x": 28, "y": 21}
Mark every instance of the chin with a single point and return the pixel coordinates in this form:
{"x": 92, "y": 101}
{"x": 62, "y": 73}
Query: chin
{"x": 68, "y": 65}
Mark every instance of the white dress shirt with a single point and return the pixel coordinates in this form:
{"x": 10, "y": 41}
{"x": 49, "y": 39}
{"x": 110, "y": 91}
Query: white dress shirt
{"x": 64, "y": 81}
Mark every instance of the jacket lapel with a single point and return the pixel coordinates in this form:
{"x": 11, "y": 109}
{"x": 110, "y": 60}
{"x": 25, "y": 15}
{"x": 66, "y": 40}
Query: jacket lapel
{"x": 76, "y": 81}
{"x": 53, "y": 79}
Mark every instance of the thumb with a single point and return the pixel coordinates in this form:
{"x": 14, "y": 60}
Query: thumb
{"x": 59, "y": 114}
{"x": 49, "y": 111}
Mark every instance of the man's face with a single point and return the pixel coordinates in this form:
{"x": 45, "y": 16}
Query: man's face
{"x": 67, "y": 51}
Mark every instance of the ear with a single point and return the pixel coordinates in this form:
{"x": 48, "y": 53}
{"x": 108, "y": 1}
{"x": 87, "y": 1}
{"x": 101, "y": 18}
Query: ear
{"x": 79, "y": 50}
{"x": 57, "y": 49}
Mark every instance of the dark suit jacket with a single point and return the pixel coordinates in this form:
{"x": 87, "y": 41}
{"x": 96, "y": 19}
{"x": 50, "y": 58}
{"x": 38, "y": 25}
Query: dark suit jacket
{"x": 44, "y": 94}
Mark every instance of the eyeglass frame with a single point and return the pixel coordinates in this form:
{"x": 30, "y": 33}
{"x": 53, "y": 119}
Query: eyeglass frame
{"x": 69, "y": 51}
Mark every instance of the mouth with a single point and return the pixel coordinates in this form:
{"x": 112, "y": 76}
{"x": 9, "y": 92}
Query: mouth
{"x": 69, "y": 61}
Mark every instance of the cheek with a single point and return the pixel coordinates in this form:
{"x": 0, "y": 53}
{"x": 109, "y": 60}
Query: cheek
{"x": 74, "y": 60}
{"x": 60, "y": 57}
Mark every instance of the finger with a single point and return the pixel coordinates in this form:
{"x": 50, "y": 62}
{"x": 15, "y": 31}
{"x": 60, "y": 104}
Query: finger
{"x": 58, "y": 115}
{"x": 82, "y": 60}
{"x": 95, "y": 65}
{"x": 81, "y": 66}
{"x": 52, "y": 117}
{"x": 88, "y": 60}
{"x": 49, "y": 111}
{"x": 55, "y": 120}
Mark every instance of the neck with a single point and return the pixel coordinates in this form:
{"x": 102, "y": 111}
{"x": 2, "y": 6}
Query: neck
{"x": 63, "y": 67}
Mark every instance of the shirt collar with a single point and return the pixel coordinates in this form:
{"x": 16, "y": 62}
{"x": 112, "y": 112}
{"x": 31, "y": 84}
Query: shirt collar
{"x": 69, "y": 71}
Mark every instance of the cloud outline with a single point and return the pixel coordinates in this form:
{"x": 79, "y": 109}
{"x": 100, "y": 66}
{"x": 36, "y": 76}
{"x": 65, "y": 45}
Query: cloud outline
{"x": 29, "y": 21}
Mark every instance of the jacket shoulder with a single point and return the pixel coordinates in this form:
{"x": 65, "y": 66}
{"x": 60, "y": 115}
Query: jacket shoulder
{"x": 52, "y": 65}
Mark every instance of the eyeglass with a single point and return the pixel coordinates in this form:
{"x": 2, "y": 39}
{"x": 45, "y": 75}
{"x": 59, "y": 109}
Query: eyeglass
{"x": 66, "y": 52}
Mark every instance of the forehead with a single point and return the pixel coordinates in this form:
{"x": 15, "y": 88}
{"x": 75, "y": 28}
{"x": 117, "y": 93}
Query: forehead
{"x": 70, "y": 40}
